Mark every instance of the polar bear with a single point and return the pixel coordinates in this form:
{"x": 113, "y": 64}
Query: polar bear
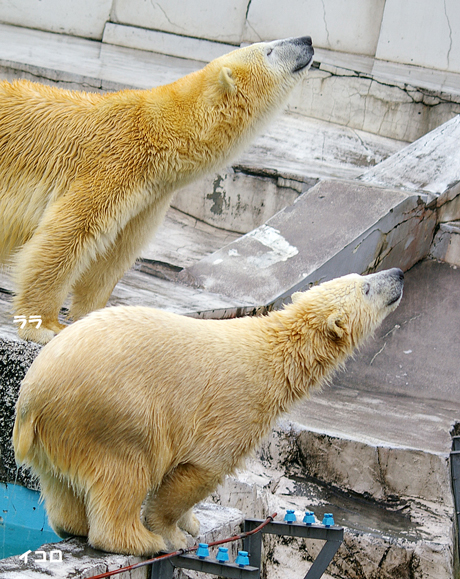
{"x": 86, "y": 178}
{"x": 132, "y": 404}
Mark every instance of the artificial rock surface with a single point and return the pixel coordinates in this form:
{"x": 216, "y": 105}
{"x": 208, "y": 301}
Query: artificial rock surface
{"x": 332, "y": 229}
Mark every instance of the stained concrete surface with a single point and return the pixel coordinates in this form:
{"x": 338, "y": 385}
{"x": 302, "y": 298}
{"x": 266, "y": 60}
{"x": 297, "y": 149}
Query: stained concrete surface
{"x": 429, "y": 164}
{"x": 403, "y": 387}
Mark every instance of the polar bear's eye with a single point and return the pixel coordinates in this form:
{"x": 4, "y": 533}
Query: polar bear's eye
{"x": 366, "y": 288}
{"x": 269, "y": 51}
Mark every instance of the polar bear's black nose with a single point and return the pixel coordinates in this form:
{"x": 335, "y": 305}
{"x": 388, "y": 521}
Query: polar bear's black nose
{"x": 304, "y": 40}
{"x": 397, "y": 273}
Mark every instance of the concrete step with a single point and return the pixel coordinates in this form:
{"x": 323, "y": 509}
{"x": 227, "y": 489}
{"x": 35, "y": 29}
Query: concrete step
{"x": 385, "y": 218}
{"x": 140, "y": 288}
{"x": 294, "y": 154}
{"x": 182, "y": 240}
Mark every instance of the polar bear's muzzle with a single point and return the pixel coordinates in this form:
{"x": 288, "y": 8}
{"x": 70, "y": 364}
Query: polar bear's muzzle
{"x": 396, "y": 282}
{"x": 387, "y": 284}
{"x": 306, "y": 56}
{"x": 295, "y": 53}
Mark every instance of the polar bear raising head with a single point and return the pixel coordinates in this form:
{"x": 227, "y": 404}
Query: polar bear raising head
{"x": 85, "y": 179}
{"x": 133, "y": 405}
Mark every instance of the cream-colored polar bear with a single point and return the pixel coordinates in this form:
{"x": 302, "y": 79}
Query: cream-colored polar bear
{"x": 86, "y": 178}
{"x": 134, "y": 403}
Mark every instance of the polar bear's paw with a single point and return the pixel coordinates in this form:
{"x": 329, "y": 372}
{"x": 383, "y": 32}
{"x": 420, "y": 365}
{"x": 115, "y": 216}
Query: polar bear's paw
{"x": 136, "y": 541}
{"x": 174, "y": 537}
{"x": 190, "y": 523}
{"x": 41, "y": 334}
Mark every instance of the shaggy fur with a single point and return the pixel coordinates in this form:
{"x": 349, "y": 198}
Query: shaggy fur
{"x": 133, "y": 402}
{"x": 86, "y": 178}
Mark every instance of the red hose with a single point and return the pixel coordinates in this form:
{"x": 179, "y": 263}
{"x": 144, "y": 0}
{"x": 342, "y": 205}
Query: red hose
{"x": 183, "y": 551}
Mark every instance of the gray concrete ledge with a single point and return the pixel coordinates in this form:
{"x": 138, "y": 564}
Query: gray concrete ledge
{"x": 430, "y": 164}
{"x": 446, "y": 244}
{"x": 389, "y": 532}
{"x": 16, "y": 356}
{"x": 386, "y": 218}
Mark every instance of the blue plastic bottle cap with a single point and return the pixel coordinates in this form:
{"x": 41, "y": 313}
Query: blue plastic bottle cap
{"x": 328, "y": 520}
{"x": 290, "y": 517}
{"x": 309, "y": 518}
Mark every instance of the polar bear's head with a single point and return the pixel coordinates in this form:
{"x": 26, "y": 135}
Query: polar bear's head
{"x": 263, "y": 66}
{"x": 261, "y": 75}
{"x": 234, "y": 95}
{"x": 206, "y": 118}
{"x": 341, "y": 313}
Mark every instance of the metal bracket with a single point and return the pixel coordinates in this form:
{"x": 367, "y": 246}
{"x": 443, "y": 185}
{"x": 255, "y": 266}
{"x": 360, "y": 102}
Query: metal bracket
{"x": 332, "y": 535}
{"x": 164, "y": 569}
{"x": 455, "y": 474}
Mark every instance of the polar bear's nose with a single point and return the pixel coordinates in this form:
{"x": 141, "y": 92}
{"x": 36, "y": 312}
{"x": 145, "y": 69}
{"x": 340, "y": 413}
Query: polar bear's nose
{"x": 397, "y": 273}
{"x": 303, "y": 40}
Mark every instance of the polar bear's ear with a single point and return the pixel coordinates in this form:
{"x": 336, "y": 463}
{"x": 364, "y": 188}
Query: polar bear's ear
{"x": 226, "y": 79}
{"x": 335, "y": 324}
{"x": 295, "y": 297}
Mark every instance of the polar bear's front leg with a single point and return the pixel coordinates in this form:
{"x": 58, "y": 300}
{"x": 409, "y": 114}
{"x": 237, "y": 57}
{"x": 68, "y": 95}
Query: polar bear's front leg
{"x": 65, "y": 244}
{"x": 93, "y": 288}
{"x": 42, "y": 274}
{"x": 170, "y": 507}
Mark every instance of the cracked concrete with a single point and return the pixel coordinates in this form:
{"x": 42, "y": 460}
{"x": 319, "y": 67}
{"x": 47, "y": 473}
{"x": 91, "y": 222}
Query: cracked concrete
{"x": 446, "y": 244}
{"x": 369, "y": 102}
{"x": 325, "y": 23}
{"x": 450, "y": 35}
{"x": 396, "y": 535}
